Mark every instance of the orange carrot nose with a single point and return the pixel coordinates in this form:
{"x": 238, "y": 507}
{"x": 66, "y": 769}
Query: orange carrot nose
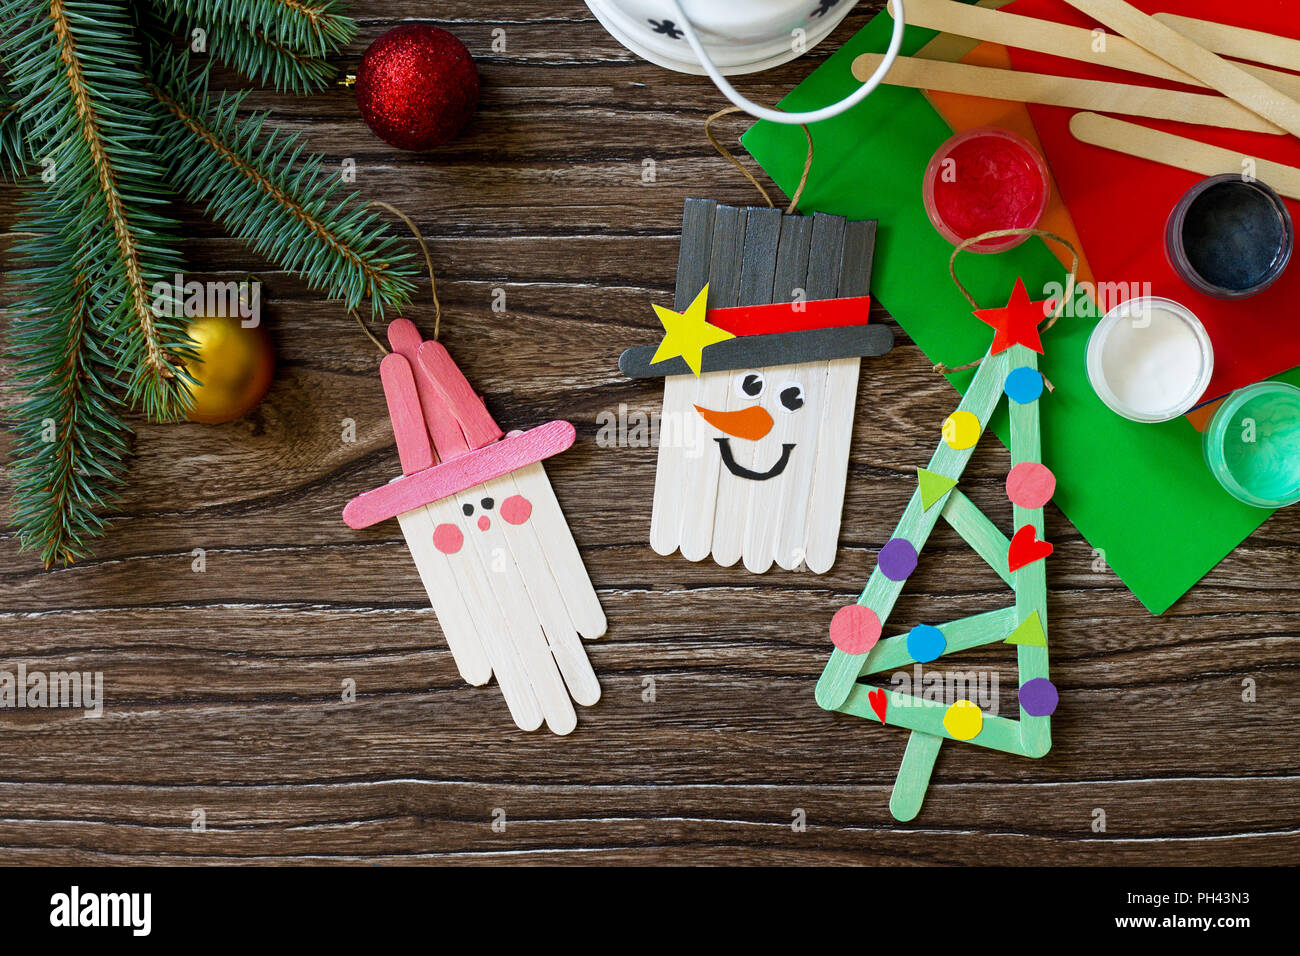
{"x": 751, "y": 423}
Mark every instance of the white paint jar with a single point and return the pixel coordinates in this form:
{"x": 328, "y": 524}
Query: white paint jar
{"x": 1150, "y": 359}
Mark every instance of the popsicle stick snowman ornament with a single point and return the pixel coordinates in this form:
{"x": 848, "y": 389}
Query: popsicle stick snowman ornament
{"x": 760, "y": 361}
{"x": 489, "y": 540}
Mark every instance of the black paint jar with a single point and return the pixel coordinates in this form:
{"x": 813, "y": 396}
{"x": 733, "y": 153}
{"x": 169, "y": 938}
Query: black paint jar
{"x": 1230, "y": 237}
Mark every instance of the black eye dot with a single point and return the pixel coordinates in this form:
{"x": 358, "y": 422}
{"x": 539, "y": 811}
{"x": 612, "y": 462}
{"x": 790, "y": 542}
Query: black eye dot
{"x": 467, "y": 508}
{"x": 792, "y": 397}
{"x": 487, "y": 504}
{"x": 752, "y": 384}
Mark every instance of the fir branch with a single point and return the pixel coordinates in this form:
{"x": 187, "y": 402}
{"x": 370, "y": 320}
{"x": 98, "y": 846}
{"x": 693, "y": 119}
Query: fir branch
{"x": 254, "y": 184}
{"x": 312, "y": 27}
{"x": 257, "y": 54}
{"x": 70, "y": 440}
{"x": 75, "y": 67}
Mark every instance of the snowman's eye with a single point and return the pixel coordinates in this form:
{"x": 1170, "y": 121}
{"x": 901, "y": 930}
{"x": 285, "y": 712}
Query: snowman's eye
{"x": 467, "y": 508}
{"x": 792, "y": 396}
{"x": 487, "y": 504}
{"x": 749, "y": 385}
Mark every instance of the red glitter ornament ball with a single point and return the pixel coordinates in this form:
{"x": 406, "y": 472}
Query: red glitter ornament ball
{"x": 417, "y": 86}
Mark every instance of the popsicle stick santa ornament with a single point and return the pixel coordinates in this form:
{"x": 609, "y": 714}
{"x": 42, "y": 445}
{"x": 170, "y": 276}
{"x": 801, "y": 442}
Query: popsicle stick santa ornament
{"x": 489, "y": 540}
{"x": 760, "y": 362}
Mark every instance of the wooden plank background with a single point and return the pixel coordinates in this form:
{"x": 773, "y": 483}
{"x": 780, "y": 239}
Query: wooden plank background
{"x": 223, "y": 687}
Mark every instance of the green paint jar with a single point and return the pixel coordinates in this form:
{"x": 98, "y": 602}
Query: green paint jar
{"x": 1252, "y": 445}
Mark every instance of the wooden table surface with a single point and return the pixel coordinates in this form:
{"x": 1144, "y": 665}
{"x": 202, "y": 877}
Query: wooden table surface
{"x": 224, "y": 687}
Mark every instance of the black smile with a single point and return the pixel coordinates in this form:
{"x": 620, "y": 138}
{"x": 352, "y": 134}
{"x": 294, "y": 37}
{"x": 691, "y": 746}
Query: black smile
{"x": 724, "y": 449}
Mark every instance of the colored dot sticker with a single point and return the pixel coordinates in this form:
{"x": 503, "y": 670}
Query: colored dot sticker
{"x": 1038, "y": 697}
{"x": 961, "y": 430}
{"x": 1024, "y": 385}
{"x": 1030, "y": 485}
{"x": 447, "y": 538}
{"x": 855, "y": 629}
{"x": 897, "y": 559}
{"x": 963, "y": 720}
{"x": 516, "y": 509}
{"x": 925, "y": 643}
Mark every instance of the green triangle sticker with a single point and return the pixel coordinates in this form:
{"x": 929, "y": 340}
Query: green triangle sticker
{"x": 933, "y": 487}
{"x": 1029, "y": 633}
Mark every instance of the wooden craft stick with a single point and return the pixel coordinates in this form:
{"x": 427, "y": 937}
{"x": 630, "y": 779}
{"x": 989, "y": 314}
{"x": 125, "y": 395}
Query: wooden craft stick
{"x": 918, "y": 713}
{"x": 808, "y": 518}
{"x": 678, "y": 430}
{"x": 1070, "y": 42}
{"x": 733, "y": 517}
{"x": 1190, "y": 57}
{"x": 787, "y": 500}
{"x": 1066, "y": 91}
{"x": 412, "y": 437}
{"x": 851, "y": 269}
{"x": 510, "y": 605}
{"x": 711, "y": 391}
{"x": 446, "y": 595}
{"x": 561, "y": 552}
{"x": 1031, "y": 580}
{"x": 1237, "y": 42}
{"x": 459, "y": 396}
{"x": 448, "y": 439}
{"x": 1180, "y": 152}
{"x": 432, "y": 484}
{"x": 914, "y": 775}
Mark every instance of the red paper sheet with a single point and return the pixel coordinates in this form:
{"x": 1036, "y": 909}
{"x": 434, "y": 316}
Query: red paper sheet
{"x": 1121, "y": 204}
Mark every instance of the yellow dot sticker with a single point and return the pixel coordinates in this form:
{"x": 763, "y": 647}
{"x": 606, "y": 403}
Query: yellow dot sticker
{"x": 963, "y": 720}
{"x": 961, "y": 430}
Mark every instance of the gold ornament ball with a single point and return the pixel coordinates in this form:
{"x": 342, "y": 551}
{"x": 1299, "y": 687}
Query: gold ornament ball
{"x": 234, "y": 366}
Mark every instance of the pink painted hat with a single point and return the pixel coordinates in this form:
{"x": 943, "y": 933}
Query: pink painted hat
{"x": 446, "y": 439}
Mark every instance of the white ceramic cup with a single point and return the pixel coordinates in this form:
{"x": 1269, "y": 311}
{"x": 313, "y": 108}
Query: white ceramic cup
{"x": 718, "y": 37}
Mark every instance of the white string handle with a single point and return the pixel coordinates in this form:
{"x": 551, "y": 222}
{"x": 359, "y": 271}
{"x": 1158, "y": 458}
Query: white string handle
{"x": 796, "y": 119}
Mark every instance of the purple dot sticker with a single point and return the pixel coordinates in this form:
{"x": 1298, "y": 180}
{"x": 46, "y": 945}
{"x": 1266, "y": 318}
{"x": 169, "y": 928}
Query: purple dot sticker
{"x": 1024, "y": 385}
{"x": 855, "y": 629}
{"x": 897, "y": 559}
{"x": 1038, "y": 697}
{"x": 925, "y": 643}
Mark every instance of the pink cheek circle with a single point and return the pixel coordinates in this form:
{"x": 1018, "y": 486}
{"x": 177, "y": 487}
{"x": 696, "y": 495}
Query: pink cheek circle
{"x": 484, "y": 522}
{"x": 447, "y": 538}
{"x": 516, "y": 509}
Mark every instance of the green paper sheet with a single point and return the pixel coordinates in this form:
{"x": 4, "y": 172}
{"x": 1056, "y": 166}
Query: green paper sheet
{"x": 1141, "y": 494}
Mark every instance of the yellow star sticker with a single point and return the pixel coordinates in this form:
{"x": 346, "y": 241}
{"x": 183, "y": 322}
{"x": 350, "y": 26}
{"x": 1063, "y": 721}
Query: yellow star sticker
{"x": 687, "y": 333}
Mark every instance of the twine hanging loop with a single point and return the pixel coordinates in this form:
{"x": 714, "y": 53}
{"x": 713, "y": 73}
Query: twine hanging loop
{"x": 1066, "y": 298}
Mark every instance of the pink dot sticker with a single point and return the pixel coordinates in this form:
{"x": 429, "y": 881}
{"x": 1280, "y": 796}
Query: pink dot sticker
{"x": 516, "y": 509}
{"x": 855, "y": 629}
{"x": 447, "y": 538}
{"x": 1030, "y": 485}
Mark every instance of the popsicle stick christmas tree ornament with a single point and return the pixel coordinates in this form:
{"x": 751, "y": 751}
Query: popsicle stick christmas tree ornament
{"x": 489, "y": 540}
{"x": 760, "y": 359}
{"x": 1010, "y": 369}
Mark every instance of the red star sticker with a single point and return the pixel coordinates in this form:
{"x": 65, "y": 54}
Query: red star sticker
{"x": 1017, "y": 323}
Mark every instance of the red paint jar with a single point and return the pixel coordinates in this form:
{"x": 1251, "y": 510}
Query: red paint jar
{"x": 983, "y": 180}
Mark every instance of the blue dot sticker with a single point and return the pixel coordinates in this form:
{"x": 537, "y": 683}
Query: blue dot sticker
{"x": 1024, "y": 385}
{"x": 925, "y": 643}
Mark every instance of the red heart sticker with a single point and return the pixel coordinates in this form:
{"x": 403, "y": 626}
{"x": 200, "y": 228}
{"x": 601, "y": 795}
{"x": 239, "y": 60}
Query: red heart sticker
{"x": 878, "y": 702}
{"x": 1026, "y": 548}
